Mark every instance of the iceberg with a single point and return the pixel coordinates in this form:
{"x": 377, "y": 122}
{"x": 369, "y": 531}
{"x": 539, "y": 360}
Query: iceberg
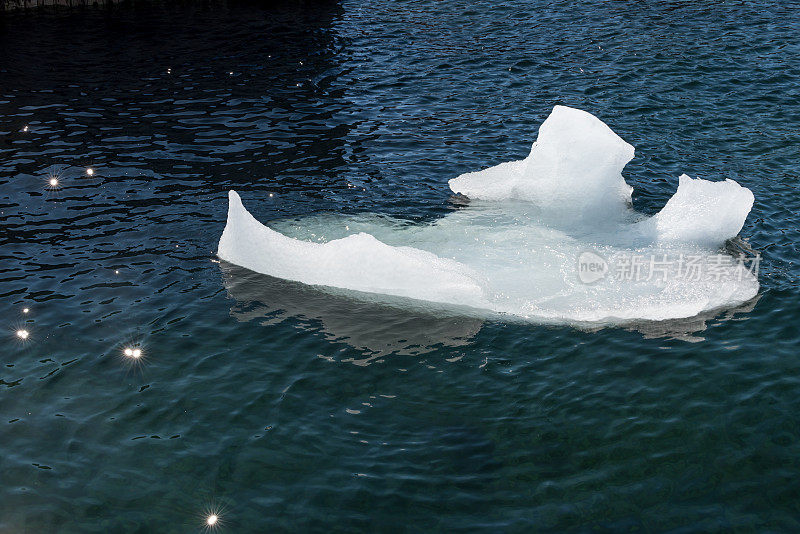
{"x": 359, "y": 262}
{"x": 702, "y": 212}
{"x": 551, "y": 238}
{"x": 575, "y": 163}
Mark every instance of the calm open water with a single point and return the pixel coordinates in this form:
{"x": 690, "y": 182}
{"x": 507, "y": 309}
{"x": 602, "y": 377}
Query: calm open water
{"x": 281, "y": 408}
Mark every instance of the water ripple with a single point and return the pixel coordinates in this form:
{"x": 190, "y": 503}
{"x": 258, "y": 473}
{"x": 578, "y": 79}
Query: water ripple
{"x": 292, "y": 409}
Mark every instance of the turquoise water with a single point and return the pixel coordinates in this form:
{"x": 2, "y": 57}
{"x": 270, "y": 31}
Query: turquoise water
{"x": 283, "y": 408}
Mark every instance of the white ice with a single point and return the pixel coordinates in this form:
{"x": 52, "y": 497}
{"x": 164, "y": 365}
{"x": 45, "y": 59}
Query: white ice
{"x": 515, "y": 248}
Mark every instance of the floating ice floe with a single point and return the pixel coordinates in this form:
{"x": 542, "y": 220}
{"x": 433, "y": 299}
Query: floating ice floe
{"x": 551, "y": 238}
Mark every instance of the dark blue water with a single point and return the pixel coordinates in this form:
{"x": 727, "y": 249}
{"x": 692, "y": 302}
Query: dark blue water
{"x": 281, "y": 408}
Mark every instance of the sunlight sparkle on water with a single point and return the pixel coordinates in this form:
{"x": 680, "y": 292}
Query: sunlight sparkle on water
{"x": 212, "y": 520}
{"x": 25, "y": 310}
{"x": 54, "y": 178}
{"x": 89, "y": 171}
{"x": 22, "y": 334}
{"x": 135, "y": 353}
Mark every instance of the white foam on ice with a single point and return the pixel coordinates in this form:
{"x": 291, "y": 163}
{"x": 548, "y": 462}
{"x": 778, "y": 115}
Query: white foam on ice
{"x": 515, "y": 248}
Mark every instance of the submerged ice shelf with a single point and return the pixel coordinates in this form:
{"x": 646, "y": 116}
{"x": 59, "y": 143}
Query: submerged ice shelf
{"x": 550, "y": 238}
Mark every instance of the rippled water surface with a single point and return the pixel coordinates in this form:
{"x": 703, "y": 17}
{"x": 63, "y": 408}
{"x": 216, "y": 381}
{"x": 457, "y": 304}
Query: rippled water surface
{"x": 283, "y": 408}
